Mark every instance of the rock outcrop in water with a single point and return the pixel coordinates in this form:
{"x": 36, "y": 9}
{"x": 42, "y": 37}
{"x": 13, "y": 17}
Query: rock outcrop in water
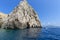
{"x": 23, "y": 16}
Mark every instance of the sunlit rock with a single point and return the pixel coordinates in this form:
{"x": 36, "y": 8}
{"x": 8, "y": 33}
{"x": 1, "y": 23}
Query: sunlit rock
{"x": 23, "y": 16}
{"x": 2, "y": 18}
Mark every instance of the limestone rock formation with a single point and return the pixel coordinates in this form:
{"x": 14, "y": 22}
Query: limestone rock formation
{"x": 23, "y": 16}
{"x": 2, "y": 18}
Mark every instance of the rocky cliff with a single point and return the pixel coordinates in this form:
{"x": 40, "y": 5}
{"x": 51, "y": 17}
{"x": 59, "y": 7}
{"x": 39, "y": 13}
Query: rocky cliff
{"x": 23, "y": 16}
{"x": 2, "y": 18}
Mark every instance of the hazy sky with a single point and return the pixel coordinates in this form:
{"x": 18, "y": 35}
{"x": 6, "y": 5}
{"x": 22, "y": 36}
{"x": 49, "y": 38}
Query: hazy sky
{"x": 48, "y": 10}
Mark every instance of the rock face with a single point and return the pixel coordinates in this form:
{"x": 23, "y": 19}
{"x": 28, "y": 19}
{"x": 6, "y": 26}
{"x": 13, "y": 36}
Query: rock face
{"x": 23, "y": 16}
{"x": 2, "y": 18}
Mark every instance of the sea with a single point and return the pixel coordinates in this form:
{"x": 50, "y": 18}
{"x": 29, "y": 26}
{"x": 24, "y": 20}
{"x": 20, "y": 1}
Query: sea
{"x": 44, "y": 33}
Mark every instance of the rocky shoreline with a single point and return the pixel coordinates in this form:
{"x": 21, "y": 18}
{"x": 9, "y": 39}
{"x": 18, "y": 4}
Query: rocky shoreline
{"x": 23, "y": 16}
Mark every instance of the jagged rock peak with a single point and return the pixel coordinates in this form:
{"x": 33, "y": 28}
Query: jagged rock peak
{"x": 22, "y": 5}
{"x": 23, "y": 16}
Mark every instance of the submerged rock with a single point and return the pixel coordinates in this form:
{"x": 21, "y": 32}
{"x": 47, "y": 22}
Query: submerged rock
{"x": 23, "y": 16}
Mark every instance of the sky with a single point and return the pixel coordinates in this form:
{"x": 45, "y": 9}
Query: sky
{"x": 47, "y": 10}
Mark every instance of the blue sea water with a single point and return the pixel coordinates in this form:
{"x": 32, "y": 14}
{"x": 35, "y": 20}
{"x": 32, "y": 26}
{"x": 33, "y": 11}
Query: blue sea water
{"x": 45, "y": 33}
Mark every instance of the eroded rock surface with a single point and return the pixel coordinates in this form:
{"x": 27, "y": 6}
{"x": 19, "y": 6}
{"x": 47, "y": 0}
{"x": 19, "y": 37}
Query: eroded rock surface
{"x": 23, "y": 16}
{"x": 2, "y": 18}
